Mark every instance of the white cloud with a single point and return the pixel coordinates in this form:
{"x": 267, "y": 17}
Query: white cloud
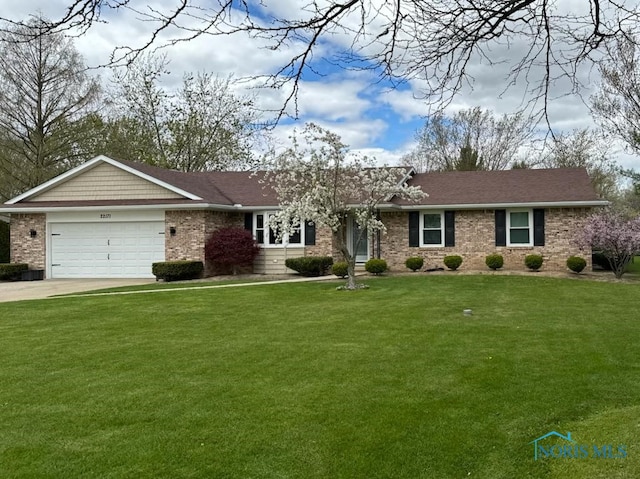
{"x": 333, "y": 100}
{"x": 405, "y": 104}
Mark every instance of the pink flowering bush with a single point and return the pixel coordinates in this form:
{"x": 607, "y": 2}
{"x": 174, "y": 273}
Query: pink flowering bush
{"x": 613, "y": 235}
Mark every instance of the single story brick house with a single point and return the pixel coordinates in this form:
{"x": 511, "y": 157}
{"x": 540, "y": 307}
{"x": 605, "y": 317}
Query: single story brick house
{"x": 110, "y": 218}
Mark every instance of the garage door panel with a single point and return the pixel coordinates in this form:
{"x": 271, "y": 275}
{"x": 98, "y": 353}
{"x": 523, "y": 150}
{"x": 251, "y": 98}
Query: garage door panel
{"x": 106, "y": 250}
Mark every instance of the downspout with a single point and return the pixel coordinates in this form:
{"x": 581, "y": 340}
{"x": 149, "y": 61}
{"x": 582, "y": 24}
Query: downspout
{"x": 378, "y": 236}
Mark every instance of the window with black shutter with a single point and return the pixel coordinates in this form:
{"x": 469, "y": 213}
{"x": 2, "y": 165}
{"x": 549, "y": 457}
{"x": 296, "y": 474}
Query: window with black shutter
{"x": 414, "y": 228}
{"x": 538, "y": 227}
{"x": 501, "y": 227}
{"x": 449, "y": 228}
{"x": 309, "y": 233}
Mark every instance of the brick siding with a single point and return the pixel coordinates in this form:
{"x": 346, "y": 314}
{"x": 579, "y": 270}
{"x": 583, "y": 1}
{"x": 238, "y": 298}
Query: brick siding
{"x": 24, "y": 248}
{"x": 475, "y": 239}
{"x": 193, "y": 228}
{"x": 324, "y": 243}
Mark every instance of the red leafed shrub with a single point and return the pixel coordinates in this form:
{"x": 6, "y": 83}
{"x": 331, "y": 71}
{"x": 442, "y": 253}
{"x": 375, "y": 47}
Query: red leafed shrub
{"x": 231, "y": 248}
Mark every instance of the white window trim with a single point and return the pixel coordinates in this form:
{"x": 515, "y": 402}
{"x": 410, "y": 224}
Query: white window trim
{"x": 508, "y": 227}
{"x": 431, "y": 212}
{"x": 285, "y": 239}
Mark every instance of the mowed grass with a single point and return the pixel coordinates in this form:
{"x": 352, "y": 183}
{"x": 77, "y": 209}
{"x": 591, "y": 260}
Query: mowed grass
{"x": 303, "y": 381}
{"x": 634, "y": 267}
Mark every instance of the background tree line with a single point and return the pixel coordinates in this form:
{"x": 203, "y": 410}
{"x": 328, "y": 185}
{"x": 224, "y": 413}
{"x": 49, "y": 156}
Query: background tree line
{"x": 476, "y": 139}
{"x": 55, "y": 114}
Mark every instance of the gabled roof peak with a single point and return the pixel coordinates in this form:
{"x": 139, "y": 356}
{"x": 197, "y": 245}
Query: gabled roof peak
{"x": 88, "y": 165}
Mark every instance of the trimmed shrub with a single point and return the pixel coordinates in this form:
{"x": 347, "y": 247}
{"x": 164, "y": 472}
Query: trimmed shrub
{"x": 452, "y": 262}
{"x": 340, "y": 269}
{"x": 576, "y": 264}
{"x": 12, "y": 271}
{"x": 4, "y": 242}
{"x": 414, "y": 263}
{"x": 177, "y": 270}
{"x": 533, "y": 261}
{"x": 376, "y": 266}
{"x": 310, "y": 265}
{"x": 494, "y": 261}
{"x": 231, "y": 248}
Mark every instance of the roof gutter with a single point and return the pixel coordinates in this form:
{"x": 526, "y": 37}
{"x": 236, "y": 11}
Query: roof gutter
{"x": 167, "y": 206}
{"x": 487, "y": 206}
{"x": 238, "y": 207}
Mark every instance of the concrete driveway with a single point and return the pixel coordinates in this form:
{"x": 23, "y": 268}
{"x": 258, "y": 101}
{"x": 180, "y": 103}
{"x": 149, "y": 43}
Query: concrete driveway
{"x": 21, "y": 290}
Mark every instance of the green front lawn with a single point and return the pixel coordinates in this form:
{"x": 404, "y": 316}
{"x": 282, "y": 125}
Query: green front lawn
{"x": 302, "y": 381}
{"x": 634, "y": 267}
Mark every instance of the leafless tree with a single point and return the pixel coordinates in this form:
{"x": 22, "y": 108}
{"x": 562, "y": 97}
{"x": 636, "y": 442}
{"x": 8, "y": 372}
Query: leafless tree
{"x": 434, "y": 41}
{"x": 444, "y": 141}
{"x": 588, "y": 149}
{"x": 617, "y": 105}
{"x": 44, "y": 93}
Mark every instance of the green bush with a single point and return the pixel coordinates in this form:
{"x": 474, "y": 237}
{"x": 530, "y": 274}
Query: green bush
{"x": 453, "y": 261}
{"x": 576, "y": 264}
{"x": 177, "y": 270}
{"x": 4, "y": 242}
{"x": 494, "y": 261}
{"x": 533, "y": 261}
{"x": 414, "y": 263}
{"x": 376, "y": 266}
{"x": 310, "y": 265}
{"x": 12, "y": 271}
{"x": 340, "y": 269}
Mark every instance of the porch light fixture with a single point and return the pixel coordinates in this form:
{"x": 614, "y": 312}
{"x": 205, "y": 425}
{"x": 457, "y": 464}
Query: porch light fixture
{"x": 33, "y": 233}
{"x": 172, "y": 230}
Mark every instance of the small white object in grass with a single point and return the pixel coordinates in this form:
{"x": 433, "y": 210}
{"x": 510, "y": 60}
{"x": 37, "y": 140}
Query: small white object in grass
{"x": 467, "y": 312}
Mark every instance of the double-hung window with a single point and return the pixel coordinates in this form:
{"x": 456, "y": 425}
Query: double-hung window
{"x": 431, "y": 225}
{"x": 519, "y": 228}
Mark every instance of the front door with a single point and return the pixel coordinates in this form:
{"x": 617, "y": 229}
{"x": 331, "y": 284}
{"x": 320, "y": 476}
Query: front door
{"x": 359, "y": 242}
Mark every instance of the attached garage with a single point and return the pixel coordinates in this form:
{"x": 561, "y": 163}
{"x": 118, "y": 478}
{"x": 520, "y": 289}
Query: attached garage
{"x": 102, "y": 219}
{"x": 105, "y": 250}
{"x": 104, "y": 244}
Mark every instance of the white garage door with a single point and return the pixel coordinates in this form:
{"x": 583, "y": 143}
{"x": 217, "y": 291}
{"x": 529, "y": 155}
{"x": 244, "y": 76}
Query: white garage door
{"x": 106, "y": 250}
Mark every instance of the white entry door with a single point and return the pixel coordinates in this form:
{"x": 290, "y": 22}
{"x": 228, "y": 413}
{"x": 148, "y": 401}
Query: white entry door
{"x": 105, "y": 250}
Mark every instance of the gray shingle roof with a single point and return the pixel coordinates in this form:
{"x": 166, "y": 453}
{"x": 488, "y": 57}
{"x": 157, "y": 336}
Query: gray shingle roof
{"x": 458, "y": 188}
{"x": 520, "y": 186}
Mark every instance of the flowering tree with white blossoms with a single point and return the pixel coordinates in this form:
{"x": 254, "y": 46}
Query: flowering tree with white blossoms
{"x": 320, "y": 182}
{"x": 613, "y": 235}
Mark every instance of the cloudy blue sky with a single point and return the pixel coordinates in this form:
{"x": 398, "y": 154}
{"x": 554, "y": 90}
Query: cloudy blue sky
{"x": 370, "y": 117}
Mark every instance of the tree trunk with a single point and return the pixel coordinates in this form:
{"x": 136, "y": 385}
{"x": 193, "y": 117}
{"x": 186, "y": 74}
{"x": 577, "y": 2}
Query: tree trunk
{"x": 351, "y": 273}
{"x": 341, "y": 236}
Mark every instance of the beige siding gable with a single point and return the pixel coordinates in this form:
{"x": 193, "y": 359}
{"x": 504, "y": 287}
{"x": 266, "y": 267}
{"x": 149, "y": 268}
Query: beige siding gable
{"x": 105, "y": 182}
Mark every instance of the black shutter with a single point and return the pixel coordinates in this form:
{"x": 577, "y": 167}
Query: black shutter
{"x": 449, "y": 228}
{"x": 538, "y": 227}
{"x": 501, "y": 228}
{"x": 414, "y": 228}
{"x": 248, "y": 221}
{"x": 309, "y": 233}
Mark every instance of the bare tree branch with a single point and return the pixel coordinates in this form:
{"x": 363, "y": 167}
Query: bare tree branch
{"x": 430, "y": 41}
